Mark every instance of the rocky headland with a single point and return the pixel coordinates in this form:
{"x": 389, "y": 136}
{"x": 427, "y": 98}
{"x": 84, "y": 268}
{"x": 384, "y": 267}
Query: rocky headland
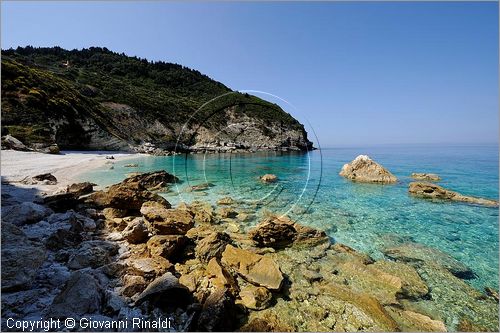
{"x": 125, "y": 252}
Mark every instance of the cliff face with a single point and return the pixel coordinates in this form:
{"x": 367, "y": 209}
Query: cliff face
{"x": 96, "y": 99}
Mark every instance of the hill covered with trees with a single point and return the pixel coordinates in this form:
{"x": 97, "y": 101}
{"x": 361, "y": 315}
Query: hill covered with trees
{"x": 98, "y": 99}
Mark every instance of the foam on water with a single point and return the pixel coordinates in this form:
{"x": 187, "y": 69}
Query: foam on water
{"x": 364, "y": 216}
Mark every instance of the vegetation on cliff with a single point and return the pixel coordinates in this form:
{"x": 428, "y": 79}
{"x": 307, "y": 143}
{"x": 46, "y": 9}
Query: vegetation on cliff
{"x": 55, "y": 95}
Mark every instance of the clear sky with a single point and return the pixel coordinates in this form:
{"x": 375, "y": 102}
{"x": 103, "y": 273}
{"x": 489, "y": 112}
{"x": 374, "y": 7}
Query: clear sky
{"x": 359, "y": 73}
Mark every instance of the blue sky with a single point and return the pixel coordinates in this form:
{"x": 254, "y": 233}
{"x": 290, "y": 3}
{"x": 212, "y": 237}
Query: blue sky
{"x": 359, "y": 73}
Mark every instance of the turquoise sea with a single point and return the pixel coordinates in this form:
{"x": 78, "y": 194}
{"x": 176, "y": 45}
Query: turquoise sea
{"x": 364, "y": 216}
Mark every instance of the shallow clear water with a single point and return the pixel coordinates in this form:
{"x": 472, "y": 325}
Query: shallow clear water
{"x": 364, "y": 216}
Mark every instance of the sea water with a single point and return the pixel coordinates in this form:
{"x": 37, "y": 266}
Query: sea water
{"x": 367, "y": 217}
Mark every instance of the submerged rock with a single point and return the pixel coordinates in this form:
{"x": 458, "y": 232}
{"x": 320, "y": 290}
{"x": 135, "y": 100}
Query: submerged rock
{"x": 414, "y": 253}
{"x": 426, "y": 176}
{"x": 269, "y": 178}
{"x": 433, "y": 191}
{"x": 364, "y": 169}
{"x": 257, "y": 269}
{"x": 255, "y": 298}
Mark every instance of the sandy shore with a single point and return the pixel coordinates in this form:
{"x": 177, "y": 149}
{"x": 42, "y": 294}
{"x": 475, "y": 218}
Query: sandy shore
{"x": 66, "y": 167}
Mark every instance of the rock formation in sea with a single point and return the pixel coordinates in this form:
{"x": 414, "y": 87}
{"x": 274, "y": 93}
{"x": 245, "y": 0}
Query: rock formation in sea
{"x": 166, "y": 107}
{"x": 125, "y": 252}
{"x": 365, "y": 170}
{"x": 433, "y": 191}
{"x": 425, "y": 176}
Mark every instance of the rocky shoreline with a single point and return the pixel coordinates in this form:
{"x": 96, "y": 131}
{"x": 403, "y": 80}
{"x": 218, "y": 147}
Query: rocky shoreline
{"x": 125, "y": 252}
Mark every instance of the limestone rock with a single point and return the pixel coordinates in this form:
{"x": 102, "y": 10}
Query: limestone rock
{"x": 132, "y": 284}
{"x": 148, "y": 267}
{"x": 61, "y": 202}
{"x": 21, "y": 259}
{"x": 136, "y": 231}
{"x": 218, "y": 312}
{"x": 279, "y": 232}
{"x": 10, "y": 142}
{"x": 414, "y": 253}
{"x": 94, "y": 253}
{"x": 82, "y": 294}
{"x": 165, "y": 245}
{"x": 425, "y": 176}
{"x": 364, "y": 169}
{"x": 80, "y": 189}
{"x": 212, "y": 246}
{"x": 126, "y": 196}
{"x": 165, "y": 290}
{"x": 23, "y": 213}
{"x": 255, "y": 268}
{"x": 225, "y": 201}
{"x": 167, "y": 221}
{"x": 152, "y": 180}
{"x": 44, "y": 178}
{"x": 255, "y": 298}
{"x": 416, "y": 322}
{"x": 269, "y": 178}
{"x": 433, "y": 191}
{"x": 227, "y": 212}
{"x": 219, "y": 277}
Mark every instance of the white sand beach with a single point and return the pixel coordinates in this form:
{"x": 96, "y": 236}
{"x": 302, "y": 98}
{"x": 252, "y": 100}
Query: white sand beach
{"x": 18, "y": 165}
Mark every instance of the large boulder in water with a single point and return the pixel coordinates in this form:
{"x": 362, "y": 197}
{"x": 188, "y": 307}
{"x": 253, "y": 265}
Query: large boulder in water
{"x": 364, "y": 169}
{"x": 433, "y": 191}
{"x": 425, "y": 176}
{"x": 152, "y": 180}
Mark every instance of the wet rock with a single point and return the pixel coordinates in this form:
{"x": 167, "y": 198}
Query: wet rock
{"x": 414, "y": 253}
{"x": 226, "y": 201}
{"x": 132, "y": 284}
{"x": 165, "y": 291}
{"x": 136, "y": 231}
{"x": 279, "y": 232}
{"x": 425, "y": 176}
{"x": 126, "y": 196}
{"x": 152, "y": 180}
{"x": 433, "y": 191}
{"x": 92, "y": 254}
{"x": 255, "y": 298}
{"x": 148, "y": 267}
{"x": 227, "y": 212}
{"x": 270, "y": 322}
{"x": 167, "y": 221}
{"x": 269, "y": 178}
{"x": 411, "y": 284}
{"x": 80, "y": 189}
{"x": 218, "y": 312}
{"x": 131, "y": 165}
{"x": 82, "y": 294}
{"x": 254, "y": 268}
{"x": 364, "y": 169}
{"x": 416, "y": 322}
{"x": 23, "y": 213}
{"x": 212, "y": 246}
{"x": 492, "y": 293}
{"x": 21, "y": 259}
{"x": 165, "y": 246}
